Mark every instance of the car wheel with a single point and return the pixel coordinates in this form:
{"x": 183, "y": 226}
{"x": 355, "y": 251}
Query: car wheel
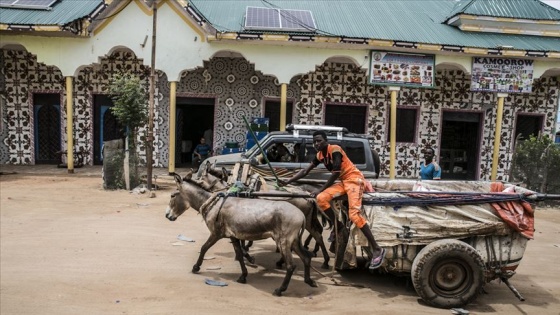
{"x": 448, "y": 273}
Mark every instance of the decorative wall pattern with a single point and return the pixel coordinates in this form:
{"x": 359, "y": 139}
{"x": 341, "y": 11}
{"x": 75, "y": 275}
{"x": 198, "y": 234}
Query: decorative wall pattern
{"x": 347, "y": 83}
{"x": 22, "y": 75}
{"x": 4, "y": 155}
{"x": 240, "y": 91}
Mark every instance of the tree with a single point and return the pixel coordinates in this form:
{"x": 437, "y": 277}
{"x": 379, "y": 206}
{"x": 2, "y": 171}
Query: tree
{"x": 536, "y": 163}
{"x": 131, "y": 110}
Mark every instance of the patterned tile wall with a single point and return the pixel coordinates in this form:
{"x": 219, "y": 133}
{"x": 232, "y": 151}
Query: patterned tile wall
{"x": 22, "y": 76}
{"x": 347, "y": 83}
{"x": 240, "y": 91}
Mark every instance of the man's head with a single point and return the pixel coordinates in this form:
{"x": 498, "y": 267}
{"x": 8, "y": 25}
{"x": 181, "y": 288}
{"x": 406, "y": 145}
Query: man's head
{"x": 320, "y": 141}
{"x": 429, "y": 154}
{"x": 202, "y": 140}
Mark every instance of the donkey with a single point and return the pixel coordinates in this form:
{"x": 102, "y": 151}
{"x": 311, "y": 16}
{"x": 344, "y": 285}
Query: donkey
{"x": 308, "y": 208}
{"x": 247, "y": 219}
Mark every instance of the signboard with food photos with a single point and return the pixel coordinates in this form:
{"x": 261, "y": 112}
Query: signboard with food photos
{"x": 507, "y": 75}
{"x": 400, "y": 69}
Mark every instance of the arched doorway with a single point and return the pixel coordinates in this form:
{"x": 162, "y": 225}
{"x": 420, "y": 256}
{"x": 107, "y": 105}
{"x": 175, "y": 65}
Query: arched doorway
{"x": 46, "y": 111}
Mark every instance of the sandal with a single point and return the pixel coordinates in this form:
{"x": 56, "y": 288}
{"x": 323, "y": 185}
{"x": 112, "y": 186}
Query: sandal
{"x": 377, "y": 261}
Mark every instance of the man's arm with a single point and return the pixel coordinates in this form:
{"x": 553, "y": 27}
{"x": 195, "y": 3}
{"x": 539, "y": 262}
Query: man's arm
{"x": 437, "y": 171}
{"x": 301, "y": 174}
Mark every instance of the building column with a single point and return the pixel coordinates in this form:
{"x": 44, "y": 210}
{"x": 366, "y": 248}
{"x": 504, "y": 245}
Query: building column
{"x": 393, "y": 131}
{"x": 70, "y": 124}
{"x": 283, "y": 102}
{"x": 497, "y": 135}
{"x": 172, "y": 124}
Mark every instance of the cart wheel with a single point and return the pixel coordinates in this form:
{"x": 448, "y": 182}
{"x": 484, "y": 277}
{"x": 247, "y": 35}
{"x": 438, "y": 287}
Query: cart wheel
{"x": 448, "y": 273}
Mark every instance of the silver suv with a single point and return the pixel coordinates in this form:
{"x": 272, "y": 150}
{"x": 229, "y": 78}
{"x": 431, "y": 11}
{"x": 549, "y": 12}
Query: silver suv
{"x": 298, "y": 140}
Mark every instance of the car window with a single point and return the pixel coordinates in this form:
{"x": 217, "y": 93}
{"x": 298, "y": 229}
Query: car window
{"x": 355, "y": 151}
{"x": 282, "y": 151}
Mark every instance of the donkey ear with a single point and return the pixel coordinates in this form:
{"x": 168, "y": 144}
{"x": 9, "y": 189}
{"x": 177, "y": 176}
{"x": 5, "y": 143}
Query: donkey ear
{"x": 225, "y": 174}
{"x": 188, "y": 176}
{"x": 178, "y": 179}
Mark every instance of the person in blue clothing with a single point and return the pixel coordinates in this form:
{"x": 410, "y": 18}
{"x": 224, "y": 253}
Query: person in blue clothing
{"x": 201, "y": 152}
{"x": 429, "y": 169}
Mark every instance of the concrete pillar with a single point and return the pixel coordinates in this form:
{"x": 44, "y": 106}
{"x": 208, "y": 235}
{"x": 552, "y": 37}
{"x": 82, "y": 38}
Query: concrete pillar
{"x": 497, "y": 135}
{"x": 70, "y": 124}
{"x": 172, "y": 124}
{"x": 393, "y": 132}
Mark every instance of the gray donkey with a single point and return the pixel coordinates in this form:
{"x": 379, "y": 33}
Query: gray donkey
{"x": 243, "y": 219}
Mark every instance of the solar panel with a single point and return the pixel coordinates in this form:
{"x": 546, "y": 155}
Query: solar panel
{"x": 28, "y": 4}
{"x": 279, "y": 19}
{"x": 301, "y": 20}
{"x": 262, "y": 18}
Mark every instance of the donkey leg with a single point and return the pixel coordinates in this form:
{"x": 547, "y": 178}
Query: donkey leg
{"x": 245, "y": 249}
{"x": 306, "y": 259}
{"x": 319, "y": 242}
{"x": 239, "y": 256}
{"x": 209, "y": 243}
{"x": 307, "y": 241}
{"x": 290, "y": 267}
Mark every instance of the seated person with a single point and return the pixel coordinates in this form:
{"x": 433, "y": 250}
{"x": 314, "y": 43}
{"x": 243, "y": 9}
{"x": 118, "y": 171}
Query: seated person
{"x": 201, "y": 152}
{"x": 283, "y": 155}
{"x": 277, "y": 153}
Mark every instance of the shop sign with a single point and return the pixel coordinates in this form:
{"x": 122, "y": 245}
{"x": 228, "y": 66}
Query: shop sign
{"x": 400, "y": 69}
{"x": 490, "y": 74}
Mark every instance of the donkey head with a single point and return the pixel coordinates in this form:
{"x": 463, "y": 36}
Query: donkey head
{"x": 177, "y": 206}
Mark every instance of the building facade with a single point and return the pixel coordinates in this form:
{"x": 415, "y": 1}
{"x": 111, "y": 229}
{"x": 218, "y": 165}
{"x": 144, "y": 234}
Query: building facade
{"x": 210, "y": 80}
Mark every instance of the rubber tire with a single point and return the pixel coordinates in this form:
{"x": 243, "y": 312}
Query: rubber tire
{"x": 457, "y": 258}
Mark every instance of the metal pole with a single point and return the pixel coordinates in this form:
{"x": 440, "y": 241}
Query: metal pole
{"x": 150, "y": 136}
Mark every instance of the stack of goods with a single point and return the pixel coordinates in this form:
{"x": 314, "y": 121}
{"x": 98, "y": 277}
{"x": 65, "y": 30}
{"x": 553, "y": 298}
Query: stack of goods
{"x": 260, "y": 128}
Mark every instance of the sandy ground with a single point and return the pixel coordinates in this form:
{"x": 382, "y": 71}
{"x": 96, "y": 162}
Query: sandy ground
{"x": 69, "y": 247}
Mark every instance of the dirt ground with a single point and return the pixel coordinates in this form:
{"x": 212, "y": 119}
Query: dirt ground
{"x": 69, "y": 247}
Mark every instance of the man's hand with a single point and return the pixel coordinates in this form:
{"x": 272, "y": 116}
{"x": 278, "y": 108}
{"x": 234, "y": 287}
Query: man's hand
{"x": 282, "y": 183}
{"x": 315, "y": 193}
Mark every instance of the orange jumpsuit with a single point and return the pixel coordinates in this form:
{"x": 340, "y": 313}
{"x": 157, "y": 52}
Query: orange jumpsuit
{"x": 352, "y": 183}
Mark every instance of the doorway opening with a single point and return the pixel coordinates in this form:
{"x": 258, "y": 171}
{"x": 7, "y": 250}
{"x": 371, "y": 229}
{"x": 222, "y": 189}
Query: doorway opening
{"x": 195, "y": 120}
{"x": 106, "y": 127}
{"x": 272, "y": 112}
{"x": 46, "y": 114}
{"x": 460, "y": 145}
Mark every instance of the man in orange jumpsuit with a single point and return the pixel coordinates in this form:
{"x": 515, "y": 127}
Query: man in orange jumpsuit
{"x": 352, "y": 183}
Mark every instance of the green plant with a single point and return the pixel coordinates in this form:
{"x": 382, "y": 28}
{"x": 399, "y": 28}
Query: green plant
{"x": 536, "y": 163}
{"x": 131, "y": 110}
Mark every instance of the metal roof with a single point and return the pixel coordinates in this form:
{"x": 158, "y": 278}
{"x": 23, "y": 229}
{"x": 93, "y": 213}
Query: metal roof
{"x": 520, "y": 9}
{"x": 62, "y": 12}
{"x": 419, "y": 21}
